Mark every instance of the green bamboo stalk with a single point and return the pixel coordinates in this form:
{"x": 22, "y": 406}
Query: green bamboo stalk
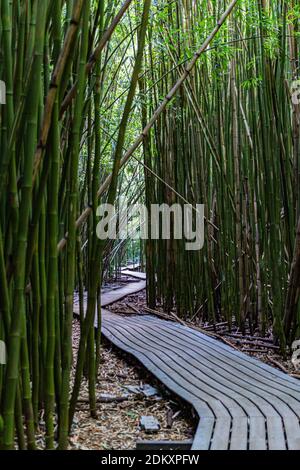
{"x": 71, "y": 250}
{"x": 19, "y": 305}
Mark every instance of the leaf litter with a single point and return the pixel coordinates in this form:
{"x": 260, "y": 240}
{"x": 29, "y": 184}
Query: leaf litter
{"x": 125, "y": 392}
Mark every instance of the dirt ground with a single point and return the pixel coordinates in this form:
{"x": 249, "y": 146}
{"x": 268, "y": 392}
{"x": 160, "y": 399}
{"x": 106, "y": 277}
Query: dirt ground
{"x": 117, "y": 425}
{"x": 126, "y": 391}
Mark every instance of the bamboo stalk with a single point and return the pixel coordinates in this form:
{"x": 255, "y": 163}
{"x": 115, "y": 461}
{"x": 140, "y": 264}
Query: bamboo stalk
{"x": 86, "y": 213}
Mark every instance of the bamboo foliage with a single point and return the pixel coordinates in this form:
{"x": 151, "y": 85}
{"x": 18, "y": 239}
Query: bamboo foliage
{"x": 50, "y": 137}
{"x": 229, "y": 146}
{"x": 161, "y": 102}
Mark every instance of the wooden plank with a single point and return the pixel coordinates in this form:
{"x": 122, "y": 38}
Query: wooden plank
{"x": 130, "y": 267}
{"x": 239, "y": 434}
{"x": 109, "y": 298}
{"x": 257, "y": 434}
{"x": 164, "y": 445}
{"x": 275, "y": 430}
{"x": 292, "y": 430}
{"x": 135, "y": 274}
{"x": 221, "y": 436}
{"x": 204, "y": 433}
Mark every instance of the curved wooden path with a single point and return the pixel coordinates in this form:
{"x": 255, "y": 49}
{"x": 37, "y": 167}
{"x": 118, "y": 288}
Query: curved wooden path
{"x": 242, "y": 403}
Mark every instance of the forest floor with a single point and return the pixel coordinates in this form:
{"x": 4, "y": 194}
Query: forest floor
{"x": 125, "y": 390}
{"x": 131, "y": 393}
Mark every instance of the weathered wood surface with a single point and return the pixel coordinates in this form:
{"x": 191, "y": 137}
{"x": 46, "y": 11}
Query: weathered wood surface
{"x": 135, "y": 274}
{"x": 242, "y": 403}
{"x": 132, "y": 268}
{"x": 110, "y": 297}
{"x": 164, "y": 445}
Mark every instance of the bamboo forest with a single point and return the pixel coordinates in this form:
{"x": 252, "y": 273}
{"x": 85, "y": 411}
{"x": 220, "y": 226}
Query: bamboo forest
{"x": 149, "y": 227}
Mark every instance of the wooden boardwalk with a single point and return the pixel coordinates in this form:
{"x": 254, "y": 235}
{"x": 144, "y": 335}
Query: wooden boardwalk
{"x": 111, "y": 297}
{"x": 114, "y": 295}
{"x": 242, "y": 403}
